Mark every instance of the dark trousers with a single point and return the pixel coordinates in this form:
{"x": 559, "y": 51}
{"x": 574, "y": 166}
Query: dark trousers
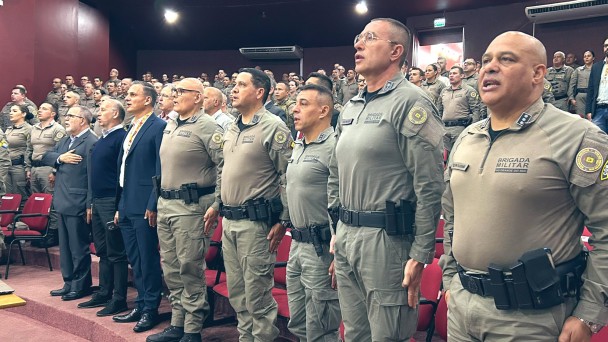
{"x": 75, "y": 255}
{"x": 113, "y": 264}
{"x": 141, "y": 243}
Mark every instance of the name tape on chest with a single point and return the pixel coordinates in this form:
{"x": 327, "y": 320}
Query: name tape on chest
{"x": 185, "y": 134}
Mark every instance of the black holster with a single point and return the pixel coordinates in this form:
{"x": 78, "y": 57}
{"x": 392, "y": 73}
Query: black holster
{"x": 156, "y": 185}
{"x": 399, "y": 220}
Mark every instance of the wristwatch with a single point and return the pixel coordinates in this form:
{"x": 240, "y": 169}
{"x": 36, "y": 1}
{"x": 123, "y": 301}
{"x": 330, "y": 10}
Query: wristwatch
{"x": 594, "y": 327}
{"x": 286, "y": 223}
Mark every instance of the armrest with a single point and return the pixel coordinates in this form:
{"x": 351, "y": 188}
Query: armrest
{"x": 18, "y": 217}
{"x": 280, "y": 264}
{"x": 215, "y": 244}
{"x": 9, "y": 211}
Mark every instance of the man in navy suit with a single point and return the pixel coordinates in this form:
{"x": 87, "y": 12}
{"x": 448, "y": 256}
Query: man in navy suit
{"x": 71, "y": 202}
{"x": 597, "y": 92}
{"x": 138, "y": 163}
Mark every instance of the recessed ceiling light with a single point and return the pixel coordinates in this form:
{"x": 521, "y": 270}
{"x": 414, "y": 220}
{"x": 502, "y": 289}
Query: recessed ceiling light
{"x": 361, "y": 7}
{"x": 171, "y": 16}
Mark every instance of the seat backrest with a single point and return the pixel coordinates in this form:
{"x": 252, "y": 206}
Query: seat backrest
{"x": 10, "y": 202}
{"x": 214, "y": 251}
{"x": 585, "y": 238}
{"x": 441, "y": 319}
{"x": 431, "y": 281}
{"x": 280, "y": 273}
{"x": 37, "y": 203}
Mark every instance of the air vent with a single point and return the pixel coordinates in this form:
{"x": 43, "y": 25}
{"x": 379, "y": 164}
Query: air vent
{"x": 276, "y": 52}
{"x": 569, "y": 10}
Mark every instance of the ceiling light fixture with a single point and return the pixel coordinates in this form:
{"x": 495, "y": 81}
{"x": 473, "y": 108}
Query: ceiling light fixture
{"x": 171, "y": 16}
{"x": 361, "y": 7}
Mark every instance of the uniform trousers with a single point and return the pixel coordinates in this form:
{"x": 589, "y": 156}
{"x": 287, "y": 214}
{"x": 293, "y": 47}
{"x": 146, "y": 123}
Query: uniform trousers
{"x": 110, "y": 248}
{"x": 39, "y": 183}
{"x": 74, "y": 252}
{"x": 451, "y": 134}
{"x": 369, "y": 267}
{"x": 141, "y": 244}
{"x": 16, "y": 182}
{"x": 183, "y": 246}
{"x": 561, "y": 104}
{"x": 313, "y": 305}
{"x": 475, "y": 318}
{"x": 250, "y": 278}
{"x": 581, "y": 102}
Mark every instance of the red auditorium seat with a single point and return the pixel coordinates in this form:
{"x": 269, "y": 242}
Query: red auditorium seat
{"x": 215, "y": 274}
{"x": 585, "y": 238}
{"x": 602, "y": 336}
{"x": 279, "y": 292}
{"x": 35, "y": 215}
{"x": 429, "y": 290}
{"x": 441, "y": 319}
{"x": 9, "y": 207}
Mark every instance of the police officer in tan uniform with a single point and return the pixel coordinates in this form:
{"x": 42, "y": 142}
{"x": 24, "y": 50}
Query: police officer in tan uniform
{"x": 257, "y": 148}
{"x": 458, "y": 105}
{"x": 313, "y": 304}
{"x": 521, "y": 186}
{"x": 18, "y": 136}
{"x": 87, "y": 100}
{"x": 579, "y": 82}
{"x": 5, "y": 163}
{"x": 44, "y": 136}
{"x": 386, "y": 178}
{"x": 432, "y": 83}
{"x": 17, "y": 98}
{"x": 559, "y": 75}
{"x": 55, "y": 96}
{"x": 281, "y": 95}
{"x": 191, "y": 161}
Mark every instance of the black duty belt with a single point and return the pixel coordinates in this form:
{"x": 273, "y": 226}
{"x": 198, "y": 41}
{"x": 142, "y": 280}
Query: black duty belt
{"x": 180, "y": 194}
{"x": 581, "y": 90}
{"x": 459, "y": 122}
{"x": 601, "y": 105}
{"x": 38, "y": 163}
{"x": 306, "y": 235}
{"x": 561, "y": 97}
{"x": 17, "y": 161}
{"x": 376, "y": 219}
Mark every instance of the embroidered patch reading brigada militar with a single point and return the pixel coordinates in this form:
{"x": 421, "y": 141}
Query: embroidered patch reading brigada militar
{"x": 417, "y": 115}
{"x": 589, "y": 159}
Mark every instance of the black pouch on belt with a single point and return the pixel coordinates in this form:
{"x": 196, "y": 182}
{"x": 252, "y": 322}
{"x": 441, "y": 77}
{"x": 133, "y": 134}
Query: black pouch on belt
{"x": 543, "y": 279}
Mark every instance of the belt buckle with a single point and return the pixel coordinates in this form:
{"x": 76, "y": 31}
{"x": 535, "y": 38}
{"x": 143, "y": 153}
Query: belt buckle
{"x": 346, "y": 216}
{"x": 473, "y": 285}
{"x": 296, "y": 234}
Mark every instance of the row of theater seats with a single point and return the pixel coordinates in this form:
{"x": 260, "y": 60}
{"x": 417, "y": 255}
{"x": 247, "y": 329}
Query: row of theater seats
{"x": 35, "y": 214}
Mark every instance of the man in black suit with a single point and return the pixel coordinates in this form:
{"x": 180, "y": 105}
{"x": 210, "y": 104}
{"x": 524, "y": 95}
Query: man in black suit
{"x": 71, "y": 201}
{"x": 138, "y": 163}
{"x": 597, "y": 92}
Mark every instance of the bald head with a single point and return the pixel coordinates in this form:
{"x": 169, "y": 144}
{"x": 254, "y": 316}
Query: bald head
{"x": 213, "y": 99}
{"x": 188, "y": 97}
{"x": 512, "y": 74}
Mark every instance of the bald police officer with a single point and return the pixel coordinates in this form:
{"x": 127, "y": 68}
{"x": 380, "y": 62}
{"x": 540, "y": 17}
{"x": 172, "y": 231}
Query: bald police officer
{"x": 313, "y": 304}
{"x": 559, "y": 75}
{"x": 191, "y": 161}
{"x": 388, "y": 164}
{"x": 526, "y": 180}
{"x": 257, "y": 148}
{"x": 458, "y": 106}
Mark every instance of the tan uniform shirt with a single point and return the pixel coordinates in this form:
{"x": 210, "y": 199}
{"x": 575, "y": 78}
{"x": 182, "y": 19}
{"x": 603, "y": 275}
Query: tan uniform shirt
{"x": 54, "y": 96}
{"x": 390, "y": 149}
{"x": 471, "y": 81}
{"x": 88, "y": 102}
{"x": 349, "y": 91}
{"x": 5, "y": 162}
{"x": 535, "y": 186}
{"x": 17, "y": 138}
{"x": 192, "y": 153}
{"x": 5, "y": 121}
{"x": 579, "y": 80}
{"x": 43, "y": 140}
{"x": 255, "y": 160}
{"x": 287, "y": 106}
{"x": 434, "y": 89}
{"x": 460, "y": 103}
{"x": 560, "y": 79}
{"x": 307, "y": 175}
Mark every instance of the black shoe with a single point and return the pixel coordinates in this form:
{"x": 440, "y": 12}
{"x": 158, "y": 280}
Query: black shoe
{"x": 94, "y": 302}
{"x": 51, "y": 240}
{"x": 170, "y": 334}
{"x": 131, "y": 317}
{"x": 73, "y": 295}
{"x": 191, "y": 337}
{"x": 114, "y": 307}
{"x": 60, "y": 292}
{"x": 147, "y": 321}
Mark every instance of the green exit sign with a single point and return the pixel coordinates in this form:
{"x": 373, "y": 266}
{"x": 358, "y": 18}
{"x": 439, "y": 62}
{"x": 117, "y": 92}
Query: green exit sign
{"x": 439, "y": 22}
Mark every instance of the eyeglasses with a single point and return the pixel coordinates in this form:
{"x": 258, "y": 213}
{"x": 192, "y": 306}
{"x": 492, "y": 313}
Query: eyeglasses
{"x": 165, "y": 96}
{"x": 180, "y": 91}
{"x": 56, "y": 82}
{"x": 69, "y": 116}
{"x": 369, "y": 37}
{"x": 469, "y": 63}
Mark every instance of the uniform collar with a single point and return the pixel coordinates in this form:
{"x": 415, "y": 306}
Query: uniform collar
{"x": 37, "y": 125}
{"x": 194, "y": 118}
{"x": 527, "y": 118}
{"x": 257, "y": 116}
{"x": 328, "y": 132}
{"x": 457, "y": 88}
{"x": 387, "y": 88}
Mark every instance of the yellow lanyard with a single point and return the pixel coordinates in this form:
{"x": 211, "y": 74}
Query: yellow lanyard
{"x": 133, "y": 132}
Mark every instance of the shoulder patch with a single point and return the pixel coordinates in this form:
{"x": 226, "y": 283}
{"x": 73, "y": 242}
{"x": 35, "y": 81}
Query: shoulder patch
{"x": 604, "y": 173}
{"x": 58, "y": 136}
{"x": 217, "y": 138}
{"x": 547, "y": 86}
{"x": 417, "y": 115}
{"x": 280, "y": 137}
{"x": 589, "y": 159}
{"x": 473, "y": 94}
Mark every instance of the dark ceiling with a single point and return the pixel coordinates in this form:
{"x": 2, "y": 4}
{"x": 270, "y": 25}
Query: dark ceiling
{"x": 230, "y": 24}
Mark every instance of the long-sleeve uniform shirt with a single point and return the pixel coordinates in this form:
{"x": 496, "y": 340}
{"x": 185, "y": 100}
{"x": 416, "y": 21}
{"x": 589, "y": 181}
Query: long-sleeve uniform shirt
{"x": 460, "y": 103}
{"x": 307, "y": 175}
{"x": 192, "y": 153}
{"x": 390, "y": 148}
{"x": 535, "y": 186}
{"x": 43, "y": 140}
{"x": 18, "y": 138}
{"x": 434, "y": 89}
{"x": 255, "y": 160}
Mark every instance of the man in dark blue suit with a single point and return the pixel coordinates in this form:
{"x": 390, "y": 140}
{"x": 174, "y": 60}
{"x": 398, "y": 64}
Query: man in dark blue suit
{"x": 597, "y": 92}
{"x": 71, "y": 202}
{"x": 138, "y": 163}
